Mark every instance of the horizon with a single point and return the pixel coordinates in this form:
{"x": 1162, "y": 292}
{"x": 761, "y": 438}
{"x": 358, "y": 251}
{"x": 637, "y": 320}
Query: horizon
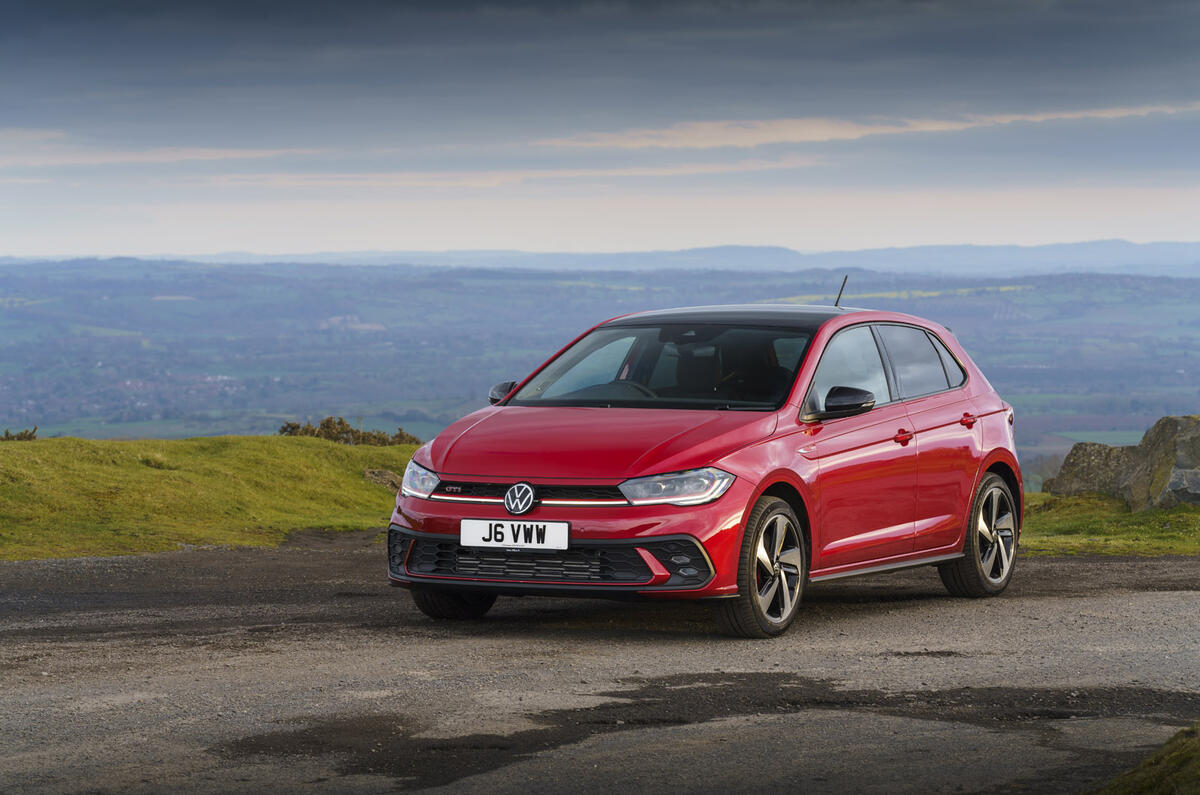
{"x": 225, "y": 254}
{"x": 134, "y": 128}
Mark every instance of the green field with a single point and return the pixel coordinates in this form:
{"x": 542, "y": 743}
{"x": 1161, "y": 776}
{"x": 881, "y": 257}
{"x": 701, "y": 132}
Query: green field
{"x": 72, "y": 497}
{"x": 1099, "y": 525}
{"x": 93, "y": 349}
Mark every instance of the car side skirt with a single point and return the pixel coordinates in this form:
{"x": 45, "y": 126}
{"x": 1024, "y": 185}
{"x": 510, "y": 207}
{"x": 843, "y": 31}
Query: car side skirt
{"x": 910, "y": 563}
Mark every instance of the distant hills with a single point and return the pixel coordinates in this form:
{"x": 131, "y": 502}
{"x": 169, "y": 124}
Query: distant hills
{"x": 135, "y": 348}
{"x": 1097, "y": 256}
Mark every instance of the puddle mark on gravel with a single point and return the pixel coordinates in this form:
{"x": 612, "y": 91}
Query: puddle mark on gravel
{"x": 388, "y": 745}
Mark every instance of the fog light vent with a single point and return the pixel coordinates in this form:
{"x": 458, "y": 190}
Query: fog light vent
{"x": 683, "y": 558}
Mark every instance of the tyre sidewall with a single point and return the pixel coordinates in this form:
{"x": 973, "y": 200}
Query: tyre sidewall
{"x": 971, "y": 545}
{"x": 747, "y": 584}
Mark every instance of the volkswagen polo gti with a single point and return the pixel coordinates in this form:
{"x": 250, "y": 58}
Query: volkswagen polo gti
{"x": 728, "y": 453}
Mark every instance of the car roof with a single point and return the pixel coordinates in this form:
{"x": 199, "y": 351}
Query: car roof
{"x": 789, "y": 315}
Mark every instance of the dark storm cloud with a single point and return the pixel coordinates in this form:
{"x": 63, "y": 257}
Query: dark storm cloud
{"x": 303, "y": 124}
{"x": 463, "y": 71}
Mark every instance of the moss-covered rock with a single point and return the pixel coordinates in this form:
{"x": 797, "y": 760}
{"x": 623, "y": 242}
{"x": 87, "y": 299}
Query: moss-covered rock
{"x": 1162, "y": 471}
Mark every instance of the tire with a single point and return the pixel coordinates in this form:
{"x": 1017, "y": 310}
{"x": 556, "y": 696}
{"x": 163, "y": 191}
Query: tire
{"x": 772, "y": 569}
{"x": 453, "y": 605}
{"x": 990, "y": 548}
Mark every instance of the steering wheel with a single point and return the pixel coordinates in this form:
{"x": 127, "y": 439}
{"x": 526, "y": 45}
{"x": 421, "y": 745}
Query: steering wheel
{"x": 645, "y": 390}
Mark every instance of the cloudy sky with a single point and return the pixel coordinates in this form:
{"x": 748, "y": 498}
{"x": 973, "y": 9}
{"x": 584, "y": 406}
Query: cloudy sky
{"x": 201, "y": 127}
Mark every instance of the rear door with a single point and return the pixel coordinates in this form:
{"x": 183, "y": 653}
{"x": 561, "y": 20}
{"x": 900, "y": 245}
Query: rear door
{"x": 947, "y": 438}
{"x": 867, "y": 464}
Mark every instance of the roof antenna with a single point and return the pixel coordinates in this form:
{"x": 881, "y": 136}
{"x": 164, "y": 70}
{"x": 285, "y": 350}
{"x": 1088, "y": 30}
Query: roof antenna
{"x": 839, "y": 298}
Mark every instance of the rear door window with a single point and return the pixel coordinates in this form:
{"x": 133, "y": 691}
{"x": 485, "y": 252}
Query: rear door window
{"x": 916, "y": 363}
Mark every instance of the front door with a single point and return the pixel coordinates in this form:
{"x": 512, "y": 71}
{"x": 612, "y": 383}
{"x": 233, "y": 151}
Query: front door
{"x": 867, "y": 487}
{"x": 867, "y": 464}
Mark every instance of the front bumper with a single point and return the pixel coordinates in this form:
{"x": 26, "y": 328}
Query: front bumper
{"x": 669, "y": 563}
{"x": 615, "y": 551}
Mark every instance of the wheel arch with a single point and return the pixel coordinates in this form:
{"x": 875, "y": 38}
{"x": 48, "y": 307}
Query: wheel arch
{"x": 787, "y": 489}
{"x": 998, "y": 463}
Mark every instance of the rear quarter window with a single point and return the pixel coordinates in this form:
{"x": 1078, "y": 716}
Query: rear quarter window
{"x": 954, "y": 371}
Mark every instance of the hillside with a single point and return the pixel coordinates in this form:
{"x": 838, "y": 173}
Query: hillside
{"x": 71, "y": 497}
{"x": 133, "y": 349}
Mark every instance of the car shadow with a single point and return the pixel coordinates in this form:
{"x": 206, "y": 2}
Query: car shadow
{"x": 559, "y": 617}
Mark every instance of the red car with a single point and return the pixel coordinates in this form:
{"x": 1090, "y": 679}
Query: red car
{"x": 728, "y": 453}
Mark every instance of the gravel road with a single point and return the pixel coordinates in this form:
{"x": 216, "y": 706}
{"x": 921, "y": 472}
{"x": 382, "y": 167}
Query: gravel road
{"x": 299, "y": 669}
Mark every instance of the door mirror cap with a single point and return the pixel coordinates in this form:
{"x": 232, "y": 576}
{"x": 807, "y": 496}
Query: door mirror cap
{"x": 843, "y": 401}
{"x": 500, "y": 391}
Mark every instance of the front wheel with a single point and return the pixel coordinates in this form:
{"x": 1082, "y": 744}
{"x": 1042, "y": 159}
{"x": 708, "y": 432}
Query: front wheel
{"x": 991, "y": 544}
{"x": 771, "y": 573}
{"x": 453, "y": 605}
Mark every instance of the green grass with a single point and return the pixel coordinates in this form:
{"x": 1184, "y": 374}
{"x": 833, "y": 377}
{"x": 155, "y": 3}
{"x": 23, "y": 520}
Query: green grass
{"x": 71, "y": 497}
{"x": 1095, "y": 524}
{"x": 1173, "y": 769}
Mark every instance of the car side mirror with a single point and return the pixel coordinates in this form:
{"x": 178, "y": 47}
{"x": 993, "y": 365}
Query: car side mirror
{"x": 500, "y": 391}
{"x": 843, "y": 401}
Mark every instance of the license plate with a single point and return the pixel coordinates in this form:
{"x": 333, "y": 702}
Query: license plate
{"x": 513, "y": 534}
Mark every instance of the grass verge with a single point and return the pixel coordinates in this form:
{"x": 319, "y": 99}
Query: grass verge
{"x": 1099, "y": 525}
{"x": 71, "y": 497}
{"x": 1173, "y": 769}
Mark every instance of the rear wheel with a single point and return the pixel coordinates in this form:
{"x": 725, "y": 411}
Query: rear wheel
{"x": 991, "y": 544}
{"x": 453, "y": 605}
{"x": 771, "y": 573}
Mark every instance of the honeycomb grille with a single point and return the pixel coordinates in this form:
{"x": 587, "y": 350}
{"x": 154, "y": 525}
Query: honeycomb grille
{"x": 610, "y": 564}
{"x": 683, "y": 559}
{"x": 397, "y": 548}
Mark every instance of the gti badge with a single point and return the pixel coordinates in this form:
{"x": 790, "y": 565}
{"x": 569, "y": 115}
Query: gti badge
{"x": 519, "y": 499}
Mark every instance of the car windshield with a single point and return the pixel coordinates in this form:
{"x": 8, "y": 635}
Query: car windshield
{"x": 707, "y": 366}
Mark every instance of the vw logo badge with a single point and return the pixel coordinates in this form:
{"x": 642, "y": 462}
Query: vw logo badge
{"x": 519, "y": 499}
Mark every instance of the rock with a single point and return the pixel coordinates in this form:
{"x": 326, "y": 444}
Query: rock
{"x": 383, "y": 477}
{"x": 1161, "y": 471}
{"x": 1092, "y": 467}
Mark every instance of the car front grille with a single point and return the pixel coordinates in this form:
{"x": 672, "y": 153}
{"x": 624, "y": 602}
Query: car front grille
{"x": 468, "y": 491}
{"x": 584, "y": 565}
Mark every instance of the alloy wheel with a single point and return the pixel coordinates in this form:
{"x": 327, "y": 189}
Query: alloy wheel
{"x": 779, "y": 562}
{"x": 996, "y": 527}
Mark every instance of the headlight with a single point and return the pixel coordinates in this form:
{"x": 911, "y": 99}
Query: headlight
{"x": 418, "y": 481}
{"x": 693, "y": 487}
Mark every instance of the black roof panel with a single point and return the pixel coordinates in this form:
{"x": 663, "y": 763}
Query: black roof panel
{"x": 798, "y": 315}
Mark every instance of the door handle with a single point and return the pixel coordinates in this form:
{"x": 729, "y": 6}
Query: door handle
{"x": 968, "y": 419}
{"x": 903, "y": 437}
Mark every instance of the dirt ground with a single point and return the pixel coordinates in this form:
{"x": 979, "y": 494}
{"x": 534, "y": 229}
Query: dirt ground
{"x": 299, "y": 669}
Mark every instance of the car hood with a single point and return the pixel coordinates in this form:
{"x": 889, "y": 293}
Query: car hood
{"x": 593, "y": 443}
